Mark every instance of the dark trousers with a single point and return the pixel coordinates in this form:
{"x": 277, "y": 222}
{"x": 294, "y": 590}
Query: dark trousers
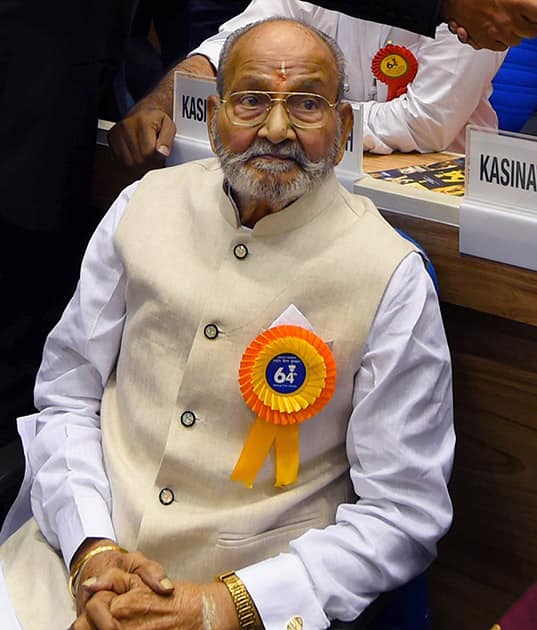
{"x": 404, "y": 608}
{"x": 180, "y": 26}
{"x": 56, "y": 60}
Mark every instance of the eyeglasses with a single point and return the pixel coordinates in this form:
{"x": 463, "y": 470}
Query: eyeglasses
{"x": 251, "y": 109}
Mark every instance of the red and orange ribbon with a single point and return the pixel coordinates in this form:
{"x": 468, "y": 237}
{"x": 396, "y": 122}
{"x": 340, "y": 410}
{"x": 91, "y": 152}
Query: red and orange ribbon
{"x": 287, "y": 375}
{"x": 396, "y": 66}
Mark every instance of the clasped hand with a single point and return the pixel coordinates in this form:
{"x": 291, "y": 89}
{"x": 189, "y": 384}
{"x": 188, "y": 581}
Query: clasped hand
{"x": 119, "y": 599}
{"x": 129, "y": 591}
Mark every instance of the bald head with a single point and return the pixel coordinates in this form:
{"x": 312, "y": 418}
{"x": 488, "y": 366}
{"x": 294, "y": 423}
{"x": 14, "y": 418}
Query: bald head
{"x": 283, "y": 39}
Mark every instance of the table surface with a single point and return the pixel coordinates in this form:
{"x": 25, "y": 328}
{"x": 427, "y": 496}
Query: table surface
{"x": 480, "y": 284}
{"x": 373, "y": 162}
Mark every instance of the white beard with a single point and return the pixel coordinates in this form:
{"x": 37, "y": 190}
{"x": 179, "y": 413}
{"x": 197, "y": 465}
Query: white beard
{"x": 271, "y": 188}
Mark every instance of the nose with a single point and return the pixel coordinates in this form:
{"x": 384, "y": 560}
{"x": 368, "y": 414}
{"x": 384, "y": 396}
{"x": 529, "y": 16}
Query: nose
{"x": 277, "y": 126}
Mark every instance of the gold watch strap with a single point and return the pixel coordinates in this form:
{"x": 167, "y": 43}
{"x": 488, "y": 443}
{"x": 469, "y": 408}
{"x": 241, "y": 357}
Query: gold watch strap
{"x": 244, "y": 605}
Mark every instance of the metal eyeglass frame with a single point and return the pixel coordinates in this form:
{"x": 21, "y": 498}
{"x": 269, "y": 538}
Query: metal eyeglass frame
{"x": 277, "y": 99}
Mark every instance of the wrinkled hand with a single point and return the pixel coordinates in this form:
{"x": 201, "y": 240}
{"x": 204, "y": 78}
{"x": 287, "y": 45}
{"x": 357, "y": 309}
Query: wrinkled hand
{"x": 493, "y": 24}
{"x": 122, "y": 600}
{"x": 149, "y": 572}
{"x": 143, "y": 138}
{"x": 100, "y": 604}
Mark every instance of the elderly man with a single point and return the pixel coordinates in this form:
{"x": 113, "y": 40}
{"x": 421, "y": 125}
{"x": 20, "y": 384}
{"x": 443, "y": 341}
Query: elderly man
{"x": 250, "y": 348}
{"x": 430, "y": 116}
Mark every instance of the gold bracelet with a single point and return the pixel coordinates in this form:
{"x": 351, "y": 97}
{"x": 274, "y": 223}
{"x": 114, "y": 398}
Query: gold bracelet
{"x": 244, "y": 605}
{"x": 77, "y": 569}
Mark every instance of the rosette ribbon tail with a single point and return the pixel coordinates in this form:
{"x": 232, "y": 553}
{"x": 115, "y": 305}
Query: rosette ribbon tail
{"x": 257, "y": 447}
{"x": 287, "y": 451}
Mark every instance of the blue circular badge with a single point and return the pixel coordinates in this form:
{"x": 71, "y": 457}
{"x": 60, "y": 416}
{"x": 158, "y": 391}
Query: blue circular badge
{"x": 285, "y": 373}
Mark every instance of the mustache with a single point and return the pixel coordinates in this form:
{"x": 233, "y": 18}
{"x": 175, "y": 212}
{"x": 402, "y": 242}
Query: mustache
{"x": 262, "y": 147}
{"x": 286, "y": 150}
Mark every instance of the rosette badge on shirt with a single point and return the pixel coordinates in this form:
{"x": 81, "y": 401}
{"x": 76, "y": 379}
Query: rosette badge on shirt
{"x": 396, "y": 66}
{"x": 287, "y": 375}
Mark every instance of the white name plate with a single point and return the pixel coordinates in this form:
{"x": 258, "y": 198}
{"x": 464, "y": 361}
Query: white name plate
{"x": 498, "y": 215}
{"x": 190, "y": 105}
{"x": 502, "y": 169}
{"x": 190, "y": 115}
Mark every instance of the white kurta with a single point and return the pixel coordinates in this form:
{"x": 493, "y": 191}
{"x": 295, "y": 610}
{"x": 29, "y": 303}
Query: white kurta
{"x": 451, "y": 89}
{"x": 399, "y": 445}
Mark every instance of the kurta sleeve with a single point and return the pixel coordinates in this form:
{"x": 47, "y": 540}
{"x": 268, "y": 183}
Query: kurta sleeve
{"x": 70, "y": 495}
{"x": 421, "y": 16}
{"x": 452, "y": 86}
{"x": 400, "y": 444}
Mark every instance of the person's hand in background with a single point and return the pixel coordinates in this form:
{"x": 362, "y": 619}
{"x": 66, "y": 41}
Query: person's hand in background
{"x": 493, "y": 24}
{"x": 144, "y": 137}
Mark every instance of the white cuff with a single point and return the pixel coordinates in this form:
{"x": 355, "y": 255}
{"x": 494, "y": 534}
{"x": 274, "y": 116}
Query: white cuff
{"x": 89, "y": 518}
{"x": 371, "y": 142}
{"x": 281, "y": 589}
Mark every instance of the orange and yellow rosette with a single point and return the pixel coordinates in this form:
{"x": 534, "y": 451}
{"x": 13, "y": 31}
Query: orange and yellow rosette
{"x": 287, "y": 375}
{"x": 396, "y": 66}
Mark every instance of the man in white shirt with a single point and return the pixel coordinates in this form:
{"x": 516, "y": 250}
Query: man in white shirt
{"x": 451, "y": 88}
{"x": 213, "y": 282}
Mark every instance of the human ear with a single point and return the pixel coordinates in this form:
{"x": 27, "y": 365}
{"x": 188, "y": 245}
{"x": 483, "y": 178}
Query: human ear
{"x": 213, "y": 105}
{"x": 346, "y": 117}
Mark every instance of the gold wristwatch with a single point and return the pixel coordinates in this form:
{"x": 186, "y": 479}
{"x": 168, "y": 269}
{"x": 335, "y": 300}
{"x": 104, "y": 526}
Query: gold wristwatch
{"x": 244, "y": 605}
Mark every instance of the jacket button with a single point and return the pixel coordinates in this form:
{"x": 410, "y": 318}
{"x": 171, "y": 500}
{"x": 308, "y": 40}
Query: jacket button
{"x": 240, "y": 251}
{"x": 188, "y": 418}
{"x": 166, "y": 496}
{"x": 211, "y": 331}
